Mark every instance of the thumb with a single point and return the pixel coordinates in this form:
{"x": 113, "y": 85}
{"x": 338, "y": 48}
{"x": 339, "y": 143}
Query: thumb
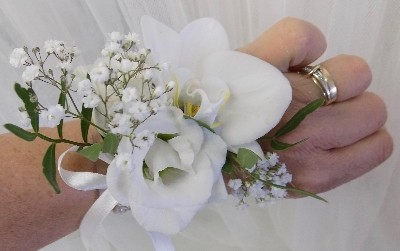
{"x": 289, "y": 43}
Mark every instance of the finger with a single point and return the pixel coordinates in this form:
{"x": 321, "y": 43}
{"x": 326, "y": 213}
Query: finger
{"x": 351, "y": 75}
{"x": 289, "y": 43}
{"x": 357, "y": 159}
{"x": 338, "y": 166}
{"x": 347, "y": 122}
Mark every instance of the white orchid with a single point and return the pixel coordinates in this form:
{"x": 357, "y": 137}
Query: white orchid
{"x": 245, "y": 96}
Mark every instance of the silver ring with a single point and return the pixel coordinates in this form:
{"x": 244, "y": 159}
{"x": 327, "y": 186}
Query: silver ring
{"x": 323, "y": 80}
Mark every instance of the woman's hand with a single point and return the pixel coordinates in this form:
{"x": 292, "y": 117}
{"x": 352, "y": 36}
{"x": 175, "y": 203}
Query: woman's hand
{"x": 345, "y": 139}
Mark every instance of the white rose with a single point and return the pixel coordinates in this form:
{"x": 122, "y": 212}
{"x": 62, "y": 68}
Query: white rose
{"x": 186, "y": 173}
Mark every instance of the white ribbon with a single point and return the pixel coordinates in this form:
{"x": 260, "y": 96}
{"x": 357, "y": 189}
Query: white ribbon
{"x": 91, "y": 224}
{"x": 161, "y": 242}
{"x": 84, "y": 181}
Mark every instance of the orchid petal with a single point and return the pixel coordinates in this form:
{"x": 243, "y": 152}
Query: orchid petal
{"x": 260, "y": 95}
{"x": 199, "y": 39}
{"x": 163, "y": 42}
{"x": 214, "y": 93}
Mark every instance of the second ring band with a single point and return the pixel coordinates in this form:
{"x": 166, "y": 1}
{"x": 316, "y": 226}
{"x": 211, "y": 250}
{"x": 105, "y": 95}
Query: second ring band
{"x": 323, "y": 80}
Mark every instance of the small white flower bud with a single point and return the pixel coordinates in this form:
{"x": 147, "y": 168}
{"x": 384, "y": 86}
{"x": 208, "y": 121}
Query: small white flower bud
{"x": 18, "y": 57}
{"x": 158, "y": 91}
{"x": 171, "y": 85}
{"x": 147, "y": 75}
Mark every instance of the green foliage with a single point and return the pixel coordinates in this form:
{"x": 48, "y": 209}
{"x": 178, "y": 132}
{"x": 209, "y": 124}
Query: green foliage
{"x": 295, "y": 121}
{"x": 280, "y": 146}
{"x": 228, "y": 166}
{"x": 297, "y": 190}
{"x": 62, "y": 102}
{"x": 247, "y": 158}
{"x": 110, "y": 143}
{"x": 49, "y": 167}
{"x": 21, "y": 133}
{"x": 85, "y": 122}
{"x": 29, "y": 99}
{"x": 91, "y": 152}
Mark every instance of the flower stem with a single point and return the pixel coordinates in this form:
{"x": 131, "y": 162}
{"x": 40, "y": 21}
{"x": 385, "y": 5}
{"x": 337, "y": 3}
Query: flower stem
{"x": 61, "y": 140}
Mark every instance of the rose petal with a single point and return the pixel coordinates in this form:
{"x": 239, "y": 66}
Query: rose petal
{"x": 119, "y": 178}
{"x": 157, "y": 195}
{"x": 184, "y": 149}
{"x": 199, "y": 39}
{"x": 163, "y": 42}
{"x": 215, "y": 148}
{"x": 260, "y": 95}
{"x": 219, "y": 192}
{"x": 160, "y": 156}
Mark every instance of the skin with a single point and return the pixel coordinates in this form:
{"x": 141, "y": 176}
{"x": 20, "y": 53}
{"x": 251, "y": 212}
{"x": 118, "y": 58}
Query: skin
{"x": 346, "y": 141}
{"x": 346, "y": 138}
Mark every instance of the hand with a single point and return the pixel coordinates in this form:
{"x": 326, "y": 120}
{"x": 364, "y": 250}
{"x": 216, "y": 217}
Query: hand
{"x": 346, "y": 138}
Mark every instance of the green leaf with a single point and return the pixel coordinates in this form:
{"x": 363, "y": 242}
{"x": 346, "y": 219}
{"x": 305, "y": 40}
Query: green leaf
{"x": 228, "y": 166}
{"x": 49, "y": 167}
{"x": 110, "y": 143}
{"x": 30, "y": 104}
{"x": 279, "y": 145}
{"x": 200, "y": 123}
{"x": 299, "y": 117}
{"x": 85, "y": 123}
{"x": 61, "y": 101}
{"x": 22, "y": 133}
{"x": 91, "y": 152}
{"x": 166, "y": 137}
{"x": 297, "y": 190}
{"x": 247, "y": 158}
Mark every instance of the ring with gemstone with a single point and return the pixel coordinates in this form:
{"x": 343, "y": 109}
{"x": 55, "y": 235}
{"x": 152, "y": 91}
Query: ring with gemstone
{"x": 323, "y": 80}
